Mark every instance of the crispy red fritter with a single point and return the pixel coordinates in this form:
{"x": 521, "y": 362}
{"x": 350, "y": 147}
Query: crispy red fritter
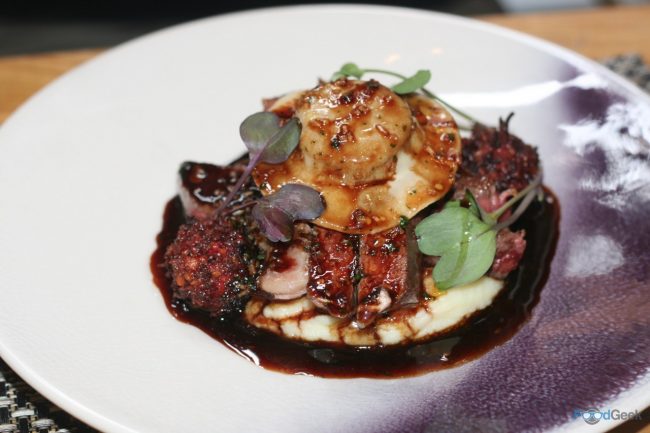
{"x": 496, "y": 165}
{"x": 497, "y": 158}
{"x": 332, "y": 271}
{"x": 208, "y": 266}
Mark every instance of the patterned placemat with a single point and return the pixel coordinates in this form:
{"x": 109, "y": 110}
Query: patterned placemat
{"x": 632, "y": 67}
{"x": 23, "y": 410}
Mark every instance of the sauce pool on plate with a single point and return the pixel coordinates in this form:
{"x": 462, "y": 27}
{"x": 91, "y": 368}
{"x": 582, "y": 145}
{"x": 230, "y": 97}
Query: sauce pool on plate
{"x": 480, "y": 333}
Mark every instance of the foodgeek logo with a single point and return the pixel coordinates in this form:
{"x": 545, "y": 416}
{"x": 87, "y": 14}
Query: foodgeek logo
{"x": 593, "y": 416}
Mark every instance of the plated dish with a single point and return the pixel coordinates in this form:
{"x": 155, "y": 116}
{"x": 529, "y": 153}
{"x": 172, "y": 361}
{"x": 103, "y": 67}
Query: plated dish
{"x": 76, "y": 236}
{"x": 359, "y": 233}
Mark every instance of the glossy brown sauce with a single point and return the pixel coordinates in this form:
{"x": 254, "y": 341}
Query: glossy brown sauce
{"x": 482, "y": 332}
{"x": 279, "y": 260}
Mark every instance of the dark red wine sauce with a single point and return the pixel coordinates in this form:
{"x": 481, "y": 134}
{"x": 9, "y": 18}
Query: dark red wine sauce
{"x": 482, "y": 332}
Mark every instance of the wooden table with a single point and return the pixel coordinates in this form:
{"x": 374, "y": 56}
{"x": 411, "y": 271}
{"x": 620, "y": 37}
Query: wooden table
{"x": 597, "y": 33}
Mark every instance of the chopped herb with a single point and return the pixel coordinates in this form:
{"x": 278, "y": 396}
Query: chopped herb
{"x": 389, "y": 247}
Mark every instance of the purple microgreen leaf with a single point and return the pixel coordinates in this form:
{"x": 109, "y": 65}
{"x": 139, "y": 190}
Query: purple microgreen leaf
{"x": 276, "y": 213}
{"x": 266, "y": 141}
{"x": 257, "y": 129}
{"x": 275, "y": 224}
{"x": 300, "y": 201}
{"x": 282, "y": 144}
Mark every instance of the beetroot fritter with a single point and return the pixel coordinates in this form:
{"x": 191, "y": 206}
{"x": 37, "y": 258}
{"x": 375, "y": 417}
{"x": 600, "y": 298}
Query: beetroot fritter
{"x": 498, "y": 158}
{"x": 496, "y": 165}
{"x": 208, "y": 266}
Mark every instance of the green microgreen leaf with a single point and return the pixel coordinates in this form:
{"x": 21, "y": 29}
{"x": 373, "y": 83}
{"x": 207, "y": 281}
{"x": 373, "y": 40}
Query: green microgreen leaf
{"x": 469, "y": 260}
{"x": 407, "y": 85}
{"x": 414, "y": 83}
{"x": 441, "y": 231}
{"x": 465, "y": 237}
{"x": 465, "y": 244}
{"x": 403, "y": 221}
{"x": 348, "y": 70}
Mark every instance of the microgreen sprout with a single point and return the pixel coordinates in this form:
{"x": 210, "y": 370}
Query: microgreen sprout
{"x": 465, "y": 237}
{"x": 407, "y": 85}
{"x": 267, "y": 141}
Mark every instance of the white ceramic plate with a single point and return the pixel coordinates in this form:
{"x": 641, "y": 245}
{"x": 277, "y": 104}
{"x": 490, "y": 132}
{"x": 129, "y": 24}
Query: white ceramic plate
{"x": 87, "y": 165}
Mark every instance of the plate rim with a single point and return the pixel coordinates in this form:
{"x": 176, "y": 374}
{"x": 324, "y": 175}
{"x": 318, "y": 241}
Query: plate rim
{"x": 633, "y": 396}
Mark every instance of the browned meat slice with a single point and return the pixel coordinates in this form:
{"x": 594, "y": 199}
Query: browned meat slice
{"x": 332, "y": 271}
{"x": 208, "y": 266}
{"x": 510, "y": 250}
{"x": 387, "y": 264}
{"x": 202, "y": 187}
{"x": 286, "y": 272}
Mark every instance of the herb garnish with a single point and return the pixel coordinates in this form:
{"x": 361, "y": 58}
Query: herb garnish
{"x": 275, "y": 214}
{"x": 269, "y": 142}
{"x": 407, "y": 85}
{"x": 465, "y": 237}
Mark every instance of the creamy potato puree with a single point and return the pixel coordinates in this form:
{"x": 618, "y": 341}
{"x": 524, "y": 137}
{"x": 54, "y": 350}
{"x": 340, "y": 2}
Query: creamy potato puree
{"x": 299, "y": 319}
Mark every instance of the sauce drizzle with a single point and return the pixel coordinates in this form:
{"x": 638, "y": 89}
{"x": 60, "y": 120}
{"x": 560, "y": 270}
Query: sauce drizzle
{"x": 482, "y": 332}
